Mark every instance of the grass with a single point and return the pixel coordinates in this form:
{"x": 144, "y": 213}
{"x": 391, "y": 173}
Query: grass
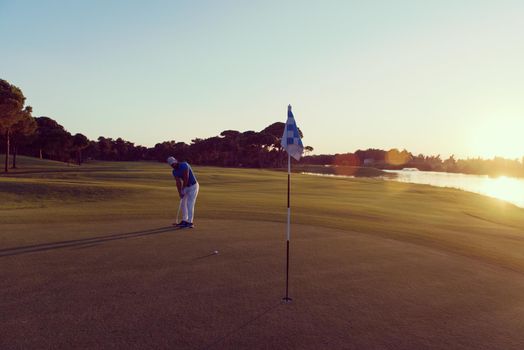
{"x": 462, "y": 222}
{"x": 444, "y": 260}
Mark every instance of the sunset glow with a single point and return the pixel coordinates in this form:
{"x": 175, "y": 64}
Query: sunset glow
{"x": 505, "y": 188}
{"x": 498, "y": 137}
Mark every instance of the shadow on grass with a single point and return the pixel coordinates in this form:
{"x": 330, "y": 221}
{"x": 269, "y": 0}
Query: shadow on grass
{"x": 82, "y": 243}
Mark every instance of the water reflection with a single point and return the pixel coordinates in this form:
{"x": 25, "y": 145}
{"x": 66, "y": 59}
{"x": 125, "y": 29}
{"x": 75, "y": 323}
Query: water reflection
{"x": 505, "y": 188}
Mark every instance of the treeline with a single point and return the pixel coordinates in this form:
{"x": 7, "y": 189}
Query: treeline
{"x": 50, "y": 140}
{"x": 44, "y": 137}
{"x": 396, "y": 160}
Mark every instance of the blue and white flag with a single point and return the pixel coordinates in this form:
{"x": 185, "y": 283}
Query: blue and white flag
{"x": 291, "y": 141}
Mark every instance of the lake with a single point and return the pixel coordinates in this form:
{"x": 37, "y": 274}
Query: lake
{"x": 506, "y": 188}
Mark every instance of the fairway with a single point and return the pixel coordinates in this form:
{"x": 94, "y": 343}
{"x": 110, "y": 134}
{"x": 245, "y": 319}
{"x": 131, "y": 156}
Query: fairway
{"x": 89, "y": 259}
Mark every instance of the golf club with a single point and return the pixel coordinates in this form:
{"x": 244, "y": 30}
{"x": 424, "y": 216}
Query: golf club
{"x": 178, "y": 212}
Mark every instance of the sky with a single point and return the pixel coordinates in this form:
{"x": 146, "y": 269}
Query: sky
{"x": 433, "y": 77}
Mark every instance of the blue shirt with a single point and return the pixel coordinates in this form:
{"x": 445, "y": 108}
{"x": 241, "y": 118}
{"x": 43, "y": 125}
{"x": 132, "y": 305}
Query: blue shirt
{"x": 179, "y": 172}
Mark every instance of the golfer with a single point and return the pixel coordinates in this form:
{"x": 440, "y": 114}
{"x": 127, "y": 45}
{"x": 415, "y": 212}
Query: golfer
{"x": 188, "y": 187}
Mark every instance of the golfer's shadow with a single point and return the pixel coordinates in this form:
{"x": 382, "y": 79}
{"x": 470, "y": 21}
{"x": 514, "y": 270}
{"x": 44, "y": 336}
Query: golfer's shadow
{"x": 82, "y": 243}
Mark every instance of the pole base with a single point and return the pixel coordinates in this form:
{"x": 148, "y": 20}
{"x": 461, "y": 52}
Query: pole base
{"x": 287, "y": 300}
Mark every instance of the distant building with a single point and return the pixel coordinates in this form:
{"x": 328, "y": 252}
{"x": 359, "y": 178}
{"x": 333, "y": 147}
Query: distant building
{"x": 369, "y": 161}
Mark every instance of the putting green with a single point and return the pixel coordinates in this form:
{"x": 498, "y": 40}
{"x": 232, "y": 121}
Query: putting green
{"x": 89, "y": 260}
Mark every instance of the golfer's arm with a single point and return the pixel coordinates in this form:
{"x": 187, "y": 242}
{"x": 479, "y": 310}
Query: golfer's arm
{"x": 179, "y": 185}
{"x": 186, "y": 178}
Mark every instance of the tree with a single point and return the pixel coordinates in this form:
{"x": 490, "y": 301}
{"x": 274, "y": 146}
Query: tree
{"x": 161, "y": 151}
{"x": 276, "y": 130}
{"x": 396, "y": 159}
{"x": 80, "y": 142}
{"x": 11, "y": 111}
{"x": 52, "y": 139}
{"x": 21, "y": 130}
{"x": 308, "y": 150}
{"x": 450, "y": 165}
{"x": 231, "y": 144}
{"x": 105, "y": 148}
{"x": 346, "y": 159}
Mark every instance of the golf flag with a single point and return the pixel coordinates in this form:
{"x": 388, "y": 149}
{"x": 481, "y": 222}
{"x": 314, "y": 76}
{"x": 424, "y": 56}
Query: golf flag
{"x": 291, "y": 141}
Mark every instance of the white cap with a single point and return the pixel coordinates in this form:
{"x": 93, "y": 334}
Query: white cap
{"x": 172, "y": 160}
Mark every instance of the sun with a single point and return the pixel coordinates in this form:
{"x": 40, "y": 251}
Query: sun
{"x": 497, "y": 138}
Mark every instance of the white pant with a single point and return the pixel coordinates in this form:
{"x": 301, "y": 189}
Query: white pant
{"x": 187, "y": 203}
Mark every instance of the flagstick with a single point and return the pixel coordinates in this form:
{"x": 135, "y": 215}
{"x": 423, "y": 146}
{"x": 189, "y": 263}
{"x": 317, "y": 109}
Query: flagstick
{"x": 287, "y": 299}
